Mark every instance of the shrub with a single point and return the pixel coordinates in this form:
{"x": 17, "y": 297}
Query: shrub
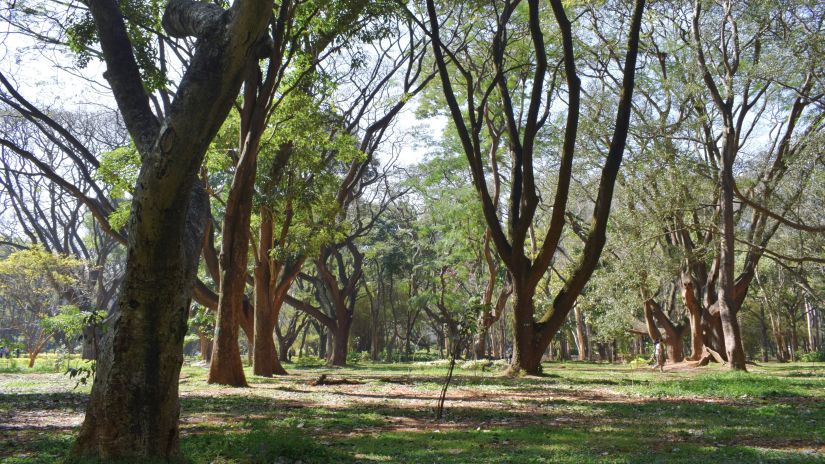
{"x": 813, "y": 356}
{"x": 309, "y": 361}
{"x": 358, "y": 357}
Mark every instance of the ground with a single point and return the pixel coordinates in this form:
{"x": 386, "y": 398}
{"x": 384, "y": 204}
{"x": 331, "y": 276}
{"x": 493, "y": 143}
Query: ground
{"x": 575, "y": 413}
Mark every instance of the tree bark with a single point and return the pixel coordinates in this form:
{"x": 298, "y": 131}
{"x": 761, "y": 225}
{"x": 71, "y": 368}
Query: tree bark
{"x": 527, "y": 350}
{"x": 134, "y": 408}
{"x": 205, "y": 348}
{"x": 727, "y": 308}
{"x": 341, "y": 342}
{"x": 580, "y": 338}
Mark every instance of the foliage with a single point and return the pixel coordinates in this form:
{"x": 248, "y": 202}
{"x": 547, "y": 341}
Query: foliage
{"x": 309, "y": 361}
{"x": 813, "y": 356}
{"x": 202, "y": 320}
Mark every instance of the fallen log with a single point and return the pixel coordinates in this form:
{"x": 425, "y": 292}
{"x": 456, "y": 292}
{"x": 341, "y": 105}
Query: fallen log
{"x": 324, "y": 380}
{"x": 708, "y": 355}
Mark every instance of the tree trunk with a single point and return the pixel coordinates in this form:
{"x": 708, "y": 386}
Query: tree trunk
{"x": 480, "y": 346}
{"x": 812, "y": 320}
{"x": 580, "y": 339}
{"x": 283, "y": 349}
{"x": 205, "y": 348}
{"x": 763, "y": 332}
{"x": 266, "y": 361}
{"x": 91, "y": 341}
{"x": 794, "y": 339}
{"x": 564, "y": 351}
{"x": 527, "y": 351}
{"x": 341, "y": 342}
{"x": 134, "y": 408}
{"x": 227, "y": 367}
{"x": 695, "y": 311}
{"x": 673, "y": 334}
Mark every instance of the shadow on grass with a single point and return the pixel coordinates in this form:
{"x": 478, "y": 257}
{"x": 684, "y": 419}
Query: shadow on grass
{"x": 553, "y": 431}
{"x": 43, "y": 401}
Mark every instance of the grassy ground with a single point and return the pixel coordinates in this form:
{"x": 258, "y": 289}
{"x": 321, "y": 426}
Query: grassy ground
{"x": 576, "y": 413}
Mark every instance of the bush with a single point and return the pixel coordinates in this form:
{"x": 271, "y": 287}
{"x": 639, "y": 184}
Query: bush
{"x": 434, "y": 363}
{"x": 476, "y": 364}
{"x": 639, "y": 361}
{"x": 309, "y": 361}
{"x": 422, "y": 355}
{"x": 358, "y": 357}
{"x": 813, "y": 356}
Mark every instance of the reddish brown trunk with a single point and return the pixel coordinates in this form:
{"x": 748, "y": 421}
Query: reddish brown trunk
{"x": 227, "y": 367}
{"x": 340, "y": 342}
{"x": 266, "y": 361}
{"x": 672, "y": 334}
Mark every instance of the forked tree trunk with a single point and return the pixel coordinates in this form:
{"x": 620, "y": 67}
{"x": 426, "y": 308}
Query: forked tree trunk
{"x": 226, "y": 367}
{"x": 32, "y": 356}
{"x": 266, "y": 361}
{"x": 672, "y": 334}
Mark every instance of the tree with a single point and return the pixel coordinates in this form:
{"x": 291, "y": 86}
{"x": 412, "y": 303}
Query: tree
{"x": 498, "y": 69}
{"x": 134, "y": 406}
{"x": 32, "y": 284}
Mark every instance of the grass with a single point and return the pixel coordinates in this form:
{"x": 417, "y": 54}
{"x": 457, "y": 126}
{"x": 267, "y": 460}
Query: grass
{"x": 575, "y": 413}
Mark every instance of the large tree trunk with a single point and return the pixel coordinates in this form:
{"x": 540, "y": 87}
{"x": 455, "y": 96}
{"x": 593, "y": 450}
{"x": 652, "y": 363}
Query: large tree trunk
{"x": 727, "y": 307}
{"x": 341, "y": 342}
{"x": 266, "y": 361}
{"x": 134, "y": 408}
{"x": 527, "y": 351}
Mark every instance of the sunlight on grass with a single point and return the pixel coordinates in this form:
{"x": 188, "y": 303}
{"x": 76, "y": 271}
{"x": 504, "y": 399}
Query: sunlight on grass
{"x": 574, "y": 413}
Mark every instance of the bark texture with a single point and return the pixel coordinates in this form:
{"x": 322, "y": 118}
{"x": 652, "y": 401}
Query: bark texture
{"x": 133, "y": 410}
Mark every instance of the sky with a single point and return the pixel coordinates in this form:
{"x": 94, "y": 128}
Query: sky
{"x": 51, "y": 80}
